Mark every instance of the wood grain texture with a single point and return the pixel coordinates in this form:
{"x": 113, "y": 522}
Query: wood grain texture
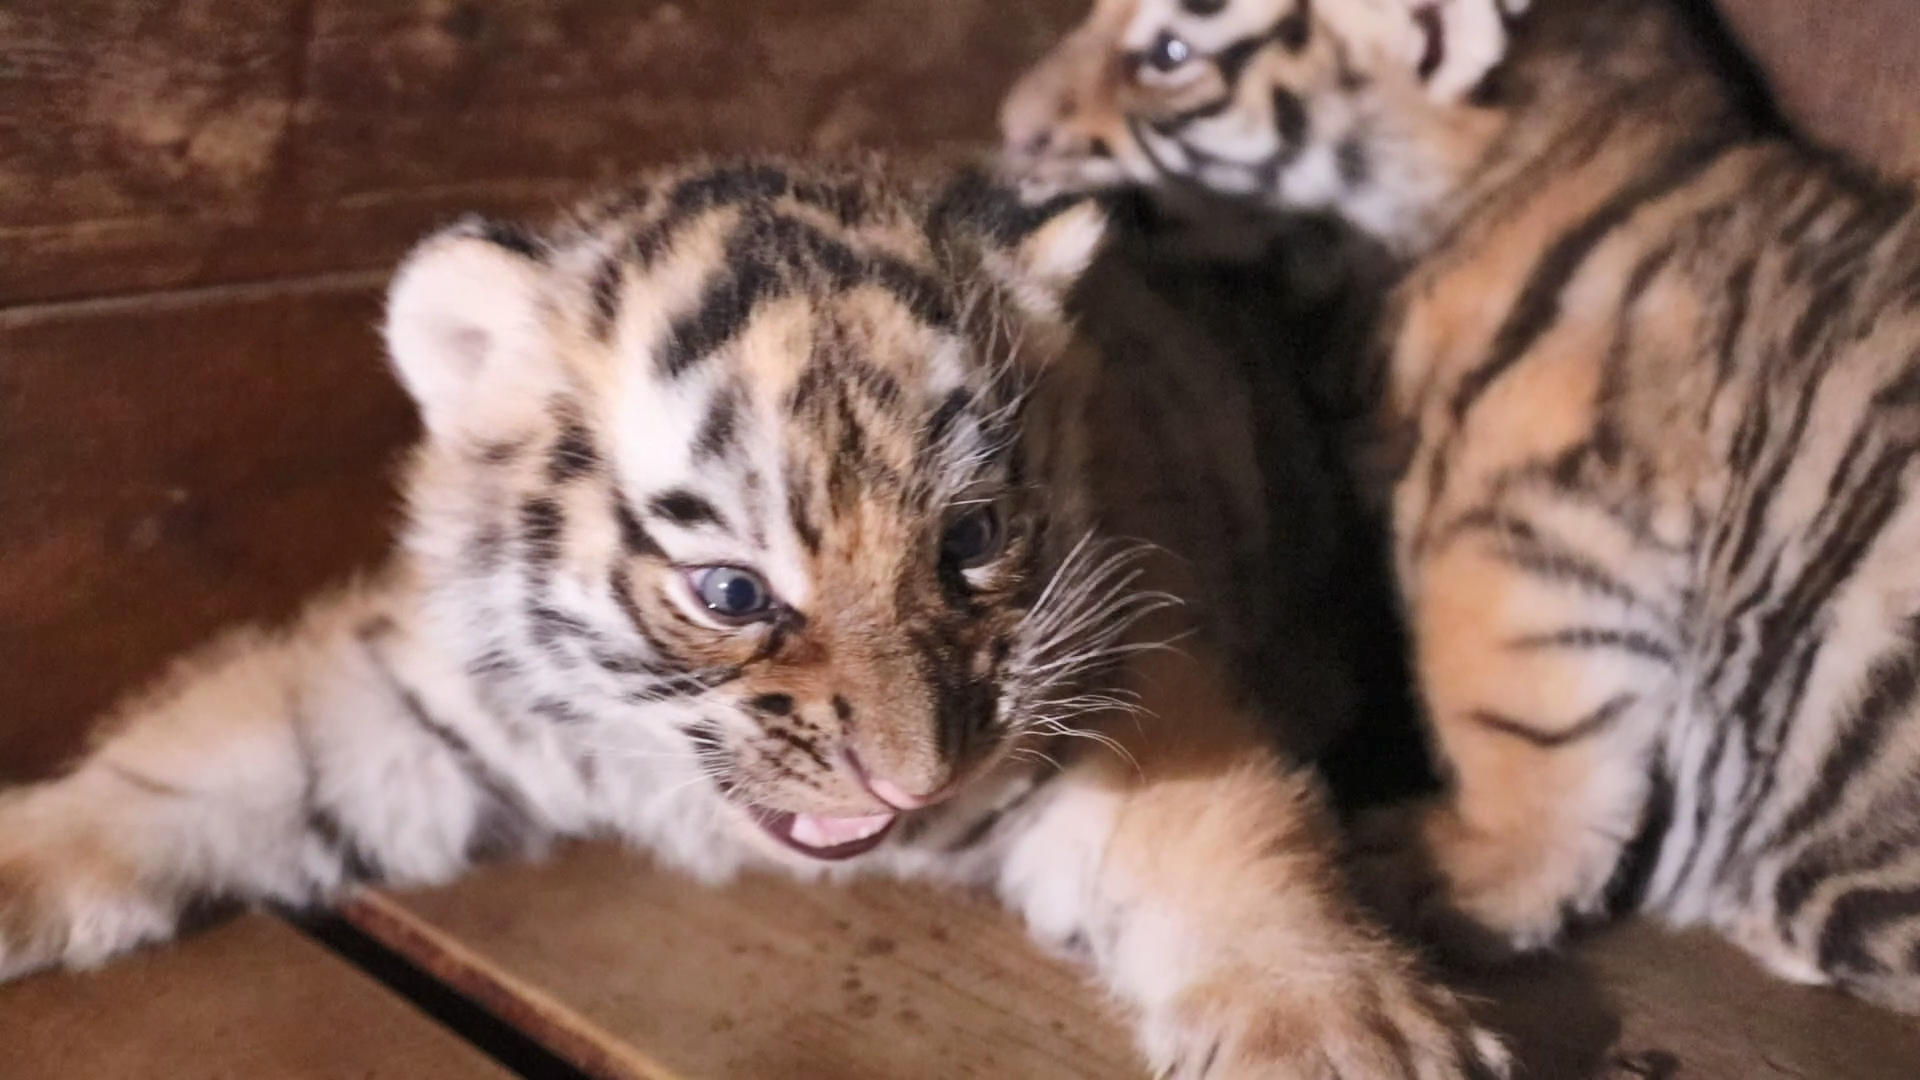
{"x": 146, "y": 147}
{"x": 638, "y": 974}
{"x": 170, "y": 467}
{"x": 641, "y": 974}
{"x": 250, "y": 999}
{"x": 1638, "y": 1002}
{"x": 1719, "y": 1017}
{"x": 152, "y": 146}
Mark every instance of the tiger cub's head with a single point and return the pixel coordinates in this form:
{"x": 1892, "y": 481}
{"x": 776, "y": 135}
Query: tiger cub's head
{"x": 1366, "y": 109}
{"x": 762, "y": 484}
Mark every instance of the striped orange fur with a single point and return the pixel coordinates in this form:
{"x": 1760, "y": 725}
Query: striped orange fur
{"x": 1652, "y": 385}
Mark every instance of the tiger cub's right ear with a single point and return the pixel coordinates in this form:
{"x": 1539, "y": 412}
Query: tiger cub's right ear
{"x": 1036, "y": 247}
{"x": 1055, "y": 251}
{"x": 465, "y": 332}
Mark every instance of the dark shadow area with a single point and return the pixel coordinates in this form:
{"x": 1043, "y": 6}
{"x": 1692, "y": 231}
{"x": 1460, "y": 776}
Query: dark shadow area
{"x": 512, "y": 1049}
{"x": 1559, "y": 1022}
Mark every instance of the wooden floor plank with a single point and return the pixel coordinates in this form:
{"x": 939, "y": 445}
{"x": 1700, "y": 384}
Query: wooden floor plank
{"x": 1717, "y": 1015}
{"x": 766, "y": 979}
{"x": 1639, "y": 1001}
{"x": 634, "y": 973}
{"x": 249, "y": 1000}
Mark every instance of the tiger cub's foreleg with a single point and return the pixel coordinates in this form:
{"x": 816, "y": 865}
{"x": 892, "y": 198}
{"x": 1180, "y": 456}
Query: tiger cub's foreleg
{"x": 277, "y": 768}
{"x": 1546, "y": 677}
{"x": 1198, "y": 876}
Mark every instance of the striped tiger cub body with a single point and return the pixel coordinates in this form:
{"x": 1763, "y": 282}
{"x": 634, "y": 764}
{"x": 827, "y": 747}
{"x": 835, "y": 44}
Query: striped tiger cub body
{"x": 772, "y": 515}
{"x": 1653, "y": 406}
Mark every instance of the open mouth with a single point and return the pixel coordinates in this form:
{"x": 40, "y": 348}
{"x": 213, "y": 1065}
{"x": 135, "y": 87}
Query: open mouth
{"x": 821, "y": 837}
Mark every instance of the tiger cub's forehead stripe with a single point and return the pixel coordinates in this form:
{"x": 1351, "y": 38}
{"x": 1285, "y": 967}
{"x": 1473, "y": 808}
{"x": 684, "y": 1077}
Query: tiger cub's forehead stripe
{"x": 720, "y": 428}
{"x": 573, "y": 454}
{"x": 1296, "y": 29}
{"x": 513, "y": 238}
{"x": 670, "y": 212}
{"x": 751, "y": 184}
{"x": 634, "y": 538}
{"x": 687, "y": 509}
{"x": 771, "y": 255}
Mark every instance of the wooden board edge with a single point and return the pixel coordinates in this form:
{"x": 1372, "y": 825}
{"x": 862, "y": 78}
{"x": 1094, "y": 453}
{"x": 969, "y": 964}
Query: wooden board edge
{"x": 565, "y": 1032}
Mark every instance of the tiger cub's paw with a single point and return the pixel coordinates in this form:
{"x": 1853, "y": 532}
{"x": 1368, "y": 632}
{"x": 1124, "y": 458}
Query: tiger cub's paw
{"x": 1393, "y": 1027}
{"x": 65, "y": 908}
{"x": 1474, "y": 899}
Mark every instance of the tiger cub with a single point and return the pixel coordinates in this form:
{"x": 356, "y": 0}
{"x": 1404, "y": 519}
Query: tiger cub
{"x": 772, "y": 515}
{"x": 1654, "y": 392}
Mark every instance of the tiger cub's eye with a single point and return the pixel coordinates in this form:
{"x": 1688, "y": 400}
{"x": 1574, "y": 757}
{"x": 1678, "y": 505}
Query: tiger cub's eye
{"x": 1167, "y": 53}
{"x": 972, "y": 539}
{"x": 732, "y": 593}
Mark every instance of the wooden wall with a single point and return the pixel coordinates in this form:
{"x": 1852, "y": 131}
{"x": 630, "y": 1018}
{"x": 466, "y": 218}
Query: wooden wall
{"x": 1847, "y": 70}
{"x": 199, "y": 201}
{"x": 167, "y": 145}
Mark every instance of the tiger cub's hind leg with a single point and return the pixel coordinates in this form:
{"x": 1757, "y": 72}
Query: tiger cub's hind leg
{"x": 1839, "y": 905}
{"x": 1861, "y": 935}
{"x": 1545, "y": 679}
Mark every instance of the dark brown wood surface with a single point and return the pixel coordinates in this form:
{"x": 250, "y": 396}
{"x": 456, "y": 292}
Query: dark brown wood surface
{"x": 251, "y": 1000}
{"x": 149, "y": 146}
{"x": 1639, "y": 1002}
{"x": 169, "y": 465}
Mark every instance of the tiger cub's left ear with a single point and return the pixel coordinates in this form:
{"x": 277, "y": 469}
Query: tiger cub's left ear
{"x": 465, "y": 330}
{"x": 1449, "y": 45}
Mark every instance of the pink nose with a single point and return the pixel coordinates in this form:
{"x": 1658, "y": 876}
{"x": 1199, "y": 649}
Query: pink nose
{"x": 894, "y": 795}
{"x": 886, "y": 790}
{"x": 1036, "y": 143}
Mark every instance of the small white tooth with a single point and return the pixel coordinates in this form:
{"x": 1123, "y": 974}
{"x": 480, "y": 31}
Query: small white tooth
{"x": 813, "y": 831}
{"x": 807, "y": 830}
{"x": 868, "y": 827}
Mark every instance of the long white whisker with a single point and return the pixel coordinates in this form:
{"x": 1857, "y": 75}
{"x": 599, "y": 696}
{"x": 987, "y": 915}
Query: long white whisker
{"x": 1054, "y": 727}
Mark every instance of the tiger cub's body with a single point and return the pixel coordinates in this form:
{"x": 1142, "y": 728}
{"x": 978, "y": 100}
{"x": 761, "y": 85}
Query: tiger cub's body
{"x": 1654, "y": 406}
{"x": 778, "y": 516}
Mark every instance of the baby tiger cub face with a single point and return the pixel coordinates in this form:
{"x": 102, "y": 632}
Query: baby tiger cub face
{"x": 1362, "y": 108}
{"x": 759, "y": 507}
{"x": 782, "y": 461}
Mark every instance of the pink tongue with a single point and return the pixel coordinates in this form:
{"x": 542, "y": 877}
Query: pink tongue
{"x": 825, "y": 832}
